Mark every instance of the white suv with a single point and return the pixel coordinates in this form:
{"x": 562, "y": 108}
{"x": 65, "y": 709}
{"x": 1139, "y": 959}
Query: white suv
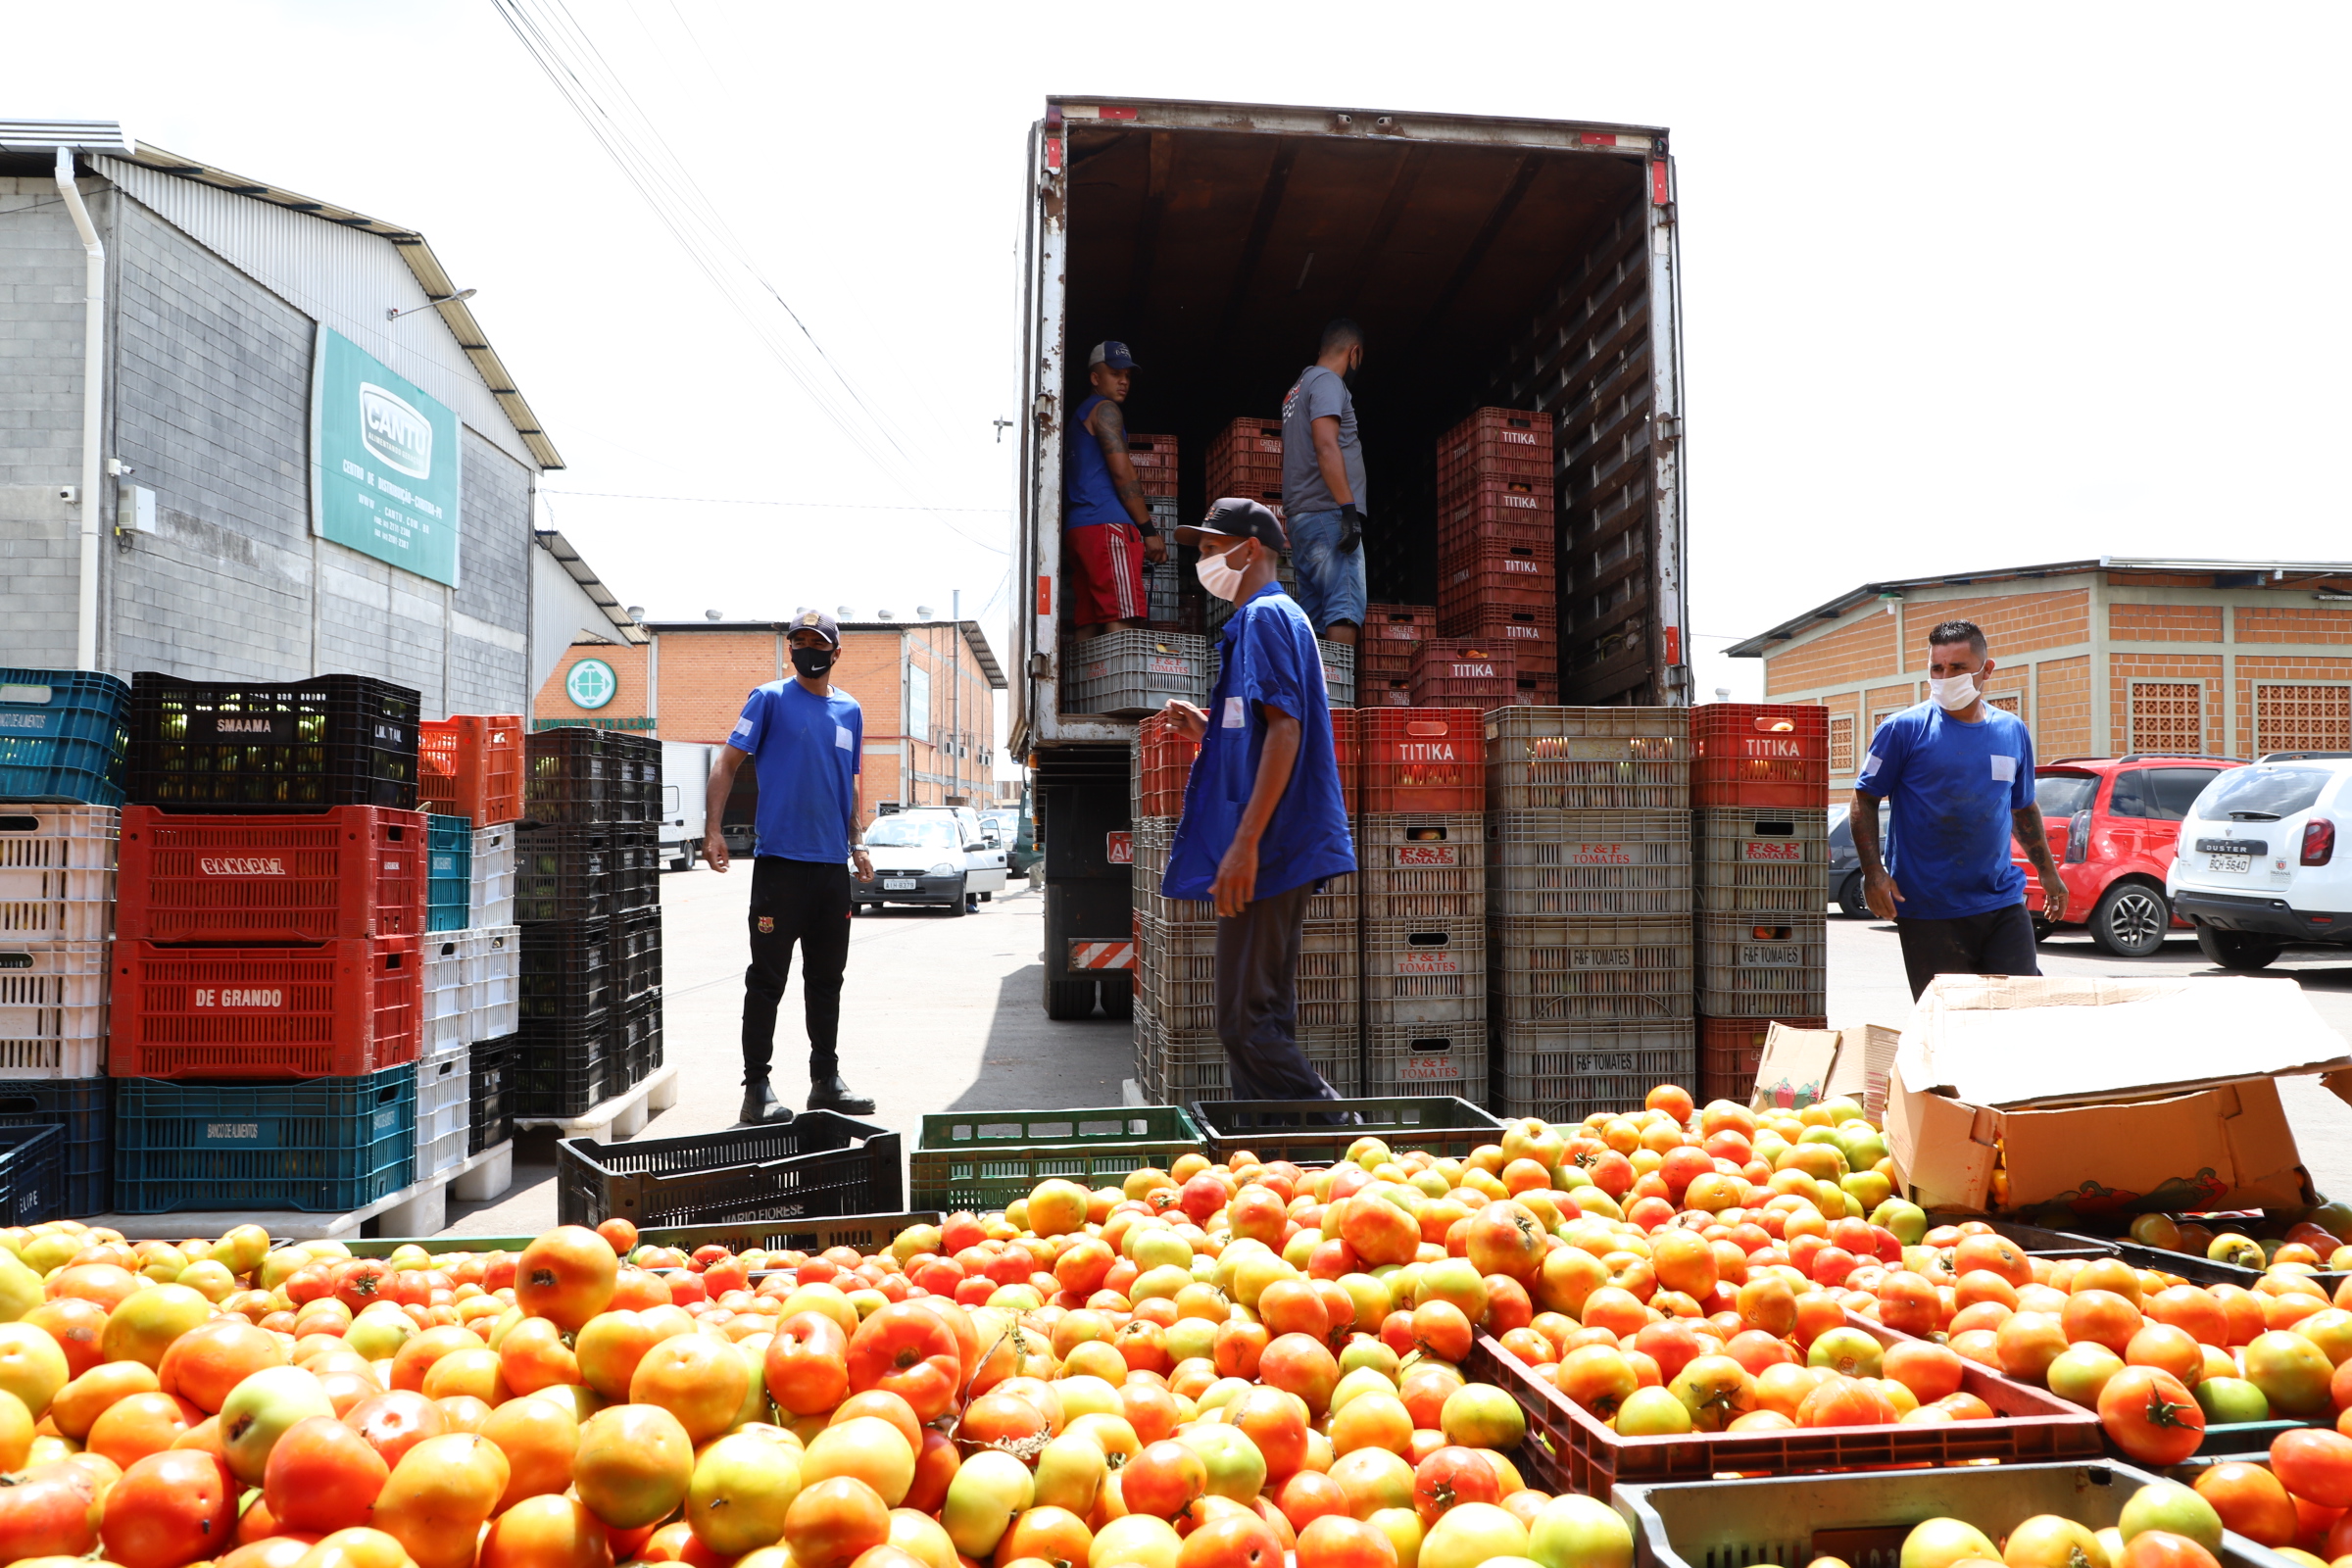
{"x": 2257, "y": 865}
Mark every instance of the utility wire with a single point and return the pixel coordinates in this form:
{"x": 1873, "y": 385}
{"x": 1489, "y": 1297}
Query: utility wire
{"x": 822, "y": 506}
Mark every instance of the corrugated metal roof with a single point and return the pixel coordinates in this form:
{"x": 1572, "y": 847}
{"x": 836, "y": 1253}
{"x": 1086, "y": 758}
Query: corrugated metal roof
{"x": 556, "y": 545}
{"x": 418, "y": 256}
{"x": 2276, "y": 570}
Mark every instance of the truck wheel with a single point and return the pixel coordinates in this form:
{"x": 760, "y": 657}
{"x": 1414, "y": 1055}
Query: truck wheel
{"x": 2238, "y": 949}
{"x": 1118, "y": 996}
{"x": 1069, "y": 999}
{"x": 2130, "y": 920}
{"x": 1851, "y": 903}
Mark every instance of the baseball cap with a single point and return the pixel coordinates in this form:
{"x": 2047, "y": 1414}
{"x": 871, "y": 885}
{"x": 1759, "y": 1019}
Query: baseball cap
{"x": 1236, "y": 518}
{"x": 1113, "y": 352}
{"x": 818, "y": 622}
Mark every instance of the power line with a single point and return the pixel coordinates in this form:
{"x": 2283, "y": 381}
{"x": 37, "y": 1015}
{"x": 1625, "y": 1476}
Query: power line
{"x": 827, "y": 506}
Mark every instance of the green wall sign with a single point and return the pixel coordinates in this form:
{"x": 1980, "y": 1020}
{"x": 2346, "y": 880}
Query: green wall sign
{"x": 385, "y": 462}
{"x": 590, "y": 683}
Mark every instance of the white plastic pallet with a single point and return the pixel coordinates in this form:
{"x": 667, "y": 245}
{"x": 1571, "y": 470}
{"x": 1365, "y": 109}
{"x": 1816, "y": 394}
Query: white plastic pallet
{"x": 622, "y": 1116}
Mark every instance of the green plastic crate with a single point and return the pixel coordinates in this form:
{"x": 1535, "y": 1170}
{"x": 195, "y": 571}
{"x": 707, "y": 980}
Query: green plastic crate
{"x": 1442, "y": 1125}
{"x": 984, "y": 1160}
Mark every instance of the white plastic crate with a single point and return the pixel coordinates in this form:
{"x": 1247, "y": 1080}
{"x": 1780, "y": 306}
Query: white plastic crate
{"x": 494, "y": 965}
{"x": 493, "y": 899}
{"x": 442, "y": 1084}
{"x": 57, "y": 872}
{"x": 1426, "y": 1058}
{"x": 53, "y": 1009}
{"x": 448, "y": 999}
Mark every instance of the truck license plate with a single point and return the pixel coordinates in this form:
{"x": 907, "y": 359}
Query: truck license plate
{"x": 2229, "y": 862}
{"x": 898, "y": 884}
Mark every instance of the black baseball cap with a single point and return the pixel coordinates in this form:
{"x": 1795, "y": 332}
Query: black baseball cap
{"x": 818, "y": 622}
{"x": 1236, "y": 518}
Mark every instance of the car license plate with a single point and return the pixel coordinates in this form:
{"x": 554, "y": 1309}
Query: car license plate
{"x": 899, "y": 884}
{"x": 2228, "y": 862}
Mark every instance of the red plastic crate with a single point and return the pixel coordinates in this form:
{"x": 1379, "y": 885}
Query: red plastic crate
{"x": 1527, "y": 628}
{"x": 1457, "y": 671}
{"x": 341, "y": 1010}
{"x": 1510, "y": 432}
{"x": 471, "y": 764}
{"x": 1386, "y": 691}
{"x": 344, "y": 872}
{"x": 1155, "y": 459}
{"x": 1730, "y": 1050}
{"x": 1247, "y": 441}
{"x": 1760, "y": 753}
{"x": 1465, "y": 464}
{"x": 1396, "y": 623}
{"x": 1468, "y": 522}
{"x": 1346, "y": 750}
{"x": 1494, "y": 575}
{"x": 1166, "y": 761}
{"x": 1421, "y": 759}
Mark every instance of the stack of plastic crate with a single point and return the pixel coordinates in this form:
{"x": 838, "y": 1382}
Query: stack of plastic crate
{"x": 1155, "y": 459}
{"x": 268, "y": 1007}
{"x": 1497, "y": 580}
{"x": 61, "y": 748}
{"x": 497, "y": 982}
{"x": 1589, "y": 907}
{"x": 469, "y": 776}
{"x": 1759, "y": 792}
{"x": 1420, "y": 796}
{"x": 1245, "y": 460}
{"x": 1392, "y": 642}
{"x": 587, "y": 898}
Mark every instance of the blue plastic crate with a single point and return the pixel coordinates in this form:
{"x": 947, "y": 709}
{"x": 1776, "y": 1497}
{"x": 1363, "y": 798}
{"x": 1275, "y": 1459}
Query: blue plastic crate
{"x": 448, "y": 876}
{"x": 64, "y": 735}
{"x": 325, "y": 1145}
{"x": 79, "y": 1108}
{"x": 32, "y": 1174}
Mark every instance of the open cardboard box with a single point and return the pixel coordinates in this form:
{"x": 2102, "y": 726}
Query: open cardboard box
{"x": 1801, "y": 1067}
{"x": 2102, "y": 1096}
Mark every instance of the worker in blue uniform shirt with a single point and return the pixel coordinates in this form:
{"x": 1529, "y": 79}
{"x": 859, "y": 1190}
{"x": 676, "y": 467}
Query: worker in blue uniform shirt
{"x": 1264, "y": 822}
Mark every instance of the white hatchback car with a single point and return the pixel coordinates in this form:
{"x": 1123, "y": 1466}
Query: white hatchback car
{"x": 2257, "y": 867}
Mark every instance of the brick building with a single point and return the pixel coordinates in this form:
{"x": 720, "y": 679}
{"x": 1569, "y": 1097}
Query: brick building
{"x": 927, "y": 687}
{"x": 2099, "y": 658}
{"x": 204, "y": 532}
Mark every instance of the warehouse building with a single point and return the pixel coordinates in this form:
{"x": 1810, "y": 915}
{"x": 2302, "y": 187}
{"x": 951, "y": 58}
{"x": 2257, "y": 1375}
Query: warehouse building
{"x": 250, "y": 435}
{"x": 2099, "y": 658}
{"x": 927, "y": 687}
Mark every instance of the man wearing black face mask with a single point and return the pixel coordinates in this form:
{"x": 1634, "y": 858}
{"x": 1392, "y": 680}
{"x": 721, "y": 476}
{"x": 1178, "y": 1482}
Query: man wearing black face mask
{"x": 805, "y": 740}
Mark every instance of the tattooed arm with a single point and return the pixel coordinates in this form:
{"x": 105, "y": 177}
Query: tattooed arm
{"x": 2026, "y": 823}
{"x": 1109, "y": 427}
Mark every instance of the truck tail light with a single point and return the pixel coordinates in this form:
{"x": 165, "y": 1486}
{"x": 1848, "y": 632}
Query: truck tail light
{"x": 2319, "y": 841}
{"x": 2077, "y": 838}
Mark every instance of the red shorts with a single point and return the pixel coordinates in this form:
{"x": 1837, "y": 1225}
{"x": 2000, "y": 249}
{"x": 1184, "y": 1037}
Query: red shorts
{"x": 1105, "y": 581}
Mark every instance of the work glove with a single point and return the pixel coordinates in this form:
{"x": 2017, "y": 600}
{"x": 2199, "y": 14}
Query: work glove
{"x": 1352, "y": 529}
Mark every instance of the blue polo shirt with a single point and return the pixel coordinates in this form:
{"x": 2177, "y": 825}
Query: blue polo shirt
{"x": 805, "y": 748}
{"x": 1950, "y": 788}
{"x": 1270, "y": 659}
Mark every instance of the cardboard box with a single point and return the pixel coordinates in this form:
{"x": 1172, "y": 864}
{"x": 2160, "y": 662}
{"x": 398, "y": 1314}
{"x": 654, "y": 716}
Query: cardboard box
{"x": 1800, "y": 1067}
{"x": 2093, "y": 1097}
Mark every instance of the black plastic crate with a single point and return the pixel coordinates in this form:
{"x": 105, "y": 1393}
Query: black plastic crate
{"x": 295, "y": 746}
{"x": 82, "y": 1109}
{"x": 633, "y": 774}
{"x": 639, "y": 1037}
{"x": 636, "y": 867}
{"x": 32, "y": 1174}
{"x": 563, "y": 873}
{"x": 567, "y": 775}
{"x": 1443, "y": 1125}
{"x": 570, "y": 973}
{"x": 818, "y": 1164}
{"x": 561, "y": 1069}
{"x": 638, "y": 947}
{"x": 490, "y": 1094}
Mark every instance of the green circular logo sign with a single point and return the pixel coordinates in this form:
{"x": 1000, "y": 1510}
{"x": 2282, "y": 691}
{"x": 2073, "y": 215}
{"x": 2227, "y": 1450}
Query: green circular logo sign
{"x": 591, "y": 683}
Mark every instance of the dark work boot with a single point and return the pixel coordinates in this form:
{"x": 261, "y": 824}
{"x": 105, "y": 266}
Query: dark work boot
{"x": 761, "y": 1105}
{"x": 826, "y": 1092}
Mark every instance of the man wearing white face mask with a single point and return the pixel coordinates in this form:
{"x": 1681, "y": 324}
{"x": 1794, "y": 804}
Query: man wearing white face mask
{"x": 1958, "y": 776}
{"x": 1264, "y": 822}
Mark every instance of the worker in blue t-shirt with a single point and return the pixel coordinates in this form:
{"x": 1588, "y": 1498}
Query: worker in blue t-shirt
{"x": 1958, "y": 776}
{"x": 1264, "y": 820}
{"x": 805, "y": 740}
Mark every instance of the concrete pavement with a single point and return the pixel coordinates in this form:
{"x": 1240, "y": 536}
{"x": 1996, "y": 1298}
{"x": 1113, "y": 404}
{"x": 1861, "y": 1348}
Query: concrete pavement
{"x": 943, "y": 1013}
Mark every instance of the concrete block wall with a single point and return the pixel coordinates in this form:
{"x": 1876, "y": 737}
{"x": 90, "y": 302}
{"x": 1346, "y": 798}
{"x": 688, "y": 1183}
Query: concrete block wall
{"x": 209, "y": 401}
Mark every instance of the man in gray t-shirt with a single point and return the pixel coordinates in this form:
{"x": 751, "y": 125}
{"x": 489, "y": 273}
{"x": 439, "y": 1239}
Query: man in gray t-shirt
{"x": 1323, "y": 486}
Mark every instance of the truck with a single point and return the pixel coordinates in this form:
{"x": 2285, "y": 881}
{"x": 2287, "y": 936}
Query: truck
{"x": 1491, "y": 262}
{"x": 685, "y": 783}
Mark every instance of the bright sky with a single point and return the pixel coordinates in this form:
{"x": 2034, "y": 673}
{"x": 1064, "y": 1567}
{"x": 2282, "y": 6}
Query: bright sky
{"x": 1963, "y": 288}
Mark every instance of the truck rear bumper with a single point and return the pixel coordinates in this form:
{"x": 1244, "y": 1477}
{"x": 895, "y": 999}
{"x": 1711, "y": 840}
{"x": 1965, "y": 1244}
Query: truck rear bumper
{"x": 2238, "y": 912}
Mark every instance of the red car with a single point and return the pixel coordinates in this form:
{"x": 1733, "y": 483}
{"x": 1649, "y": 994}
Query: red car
{"x": 2112, "y": 822}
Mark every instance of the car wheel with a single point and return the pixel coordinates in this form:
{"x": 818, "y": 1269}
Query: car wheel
{"x": 2238, "y": 949}
{"x": 2130, "y": 920}
{"x": 1850, "y": 902}
{"x": 2042, "y": 929}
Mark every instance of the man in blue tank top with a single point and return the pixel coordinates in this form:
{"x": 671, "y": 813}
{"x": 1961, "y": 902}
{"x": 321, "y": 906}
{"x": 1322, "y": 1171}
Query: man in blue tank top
{"x": 1106, "y": 525}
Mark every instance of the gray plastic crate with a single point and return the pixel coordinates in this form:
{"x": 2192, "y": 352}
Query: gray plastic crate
{"x": 1588, "y": 863}
{"x": 1133, "y": 673}
{"x": 1566, "y": 1074}
{"x": 1426, "y": 1058}
{"x": 1761, "y": 859}
{"x": 1763, "y": 965}
{"x": 1421, "y": 865}
{"x": 1424, "y": 972}
{"x": 1558, "y": 970}
{"x": 1588, "y": 760}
